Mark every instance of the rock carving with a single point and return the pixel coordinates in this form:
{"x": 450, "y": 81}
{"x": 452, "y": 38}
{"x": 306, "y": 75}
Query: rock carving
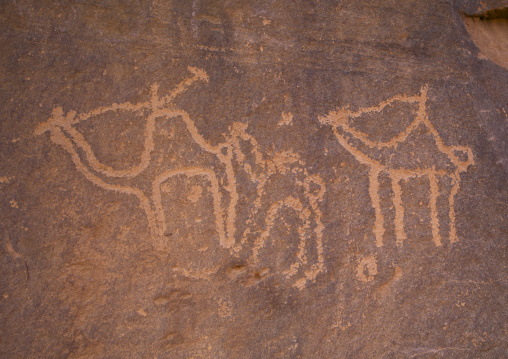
{"x": 63, "y": 132}
{"x": 260, "y": 171}
{"x": 366, "y": 269}
{"x": 379, "y": 157}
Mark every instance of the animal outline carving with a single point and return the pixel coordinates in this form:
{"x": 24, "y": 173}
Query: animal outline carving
{"x": 260, "y": 171}
{"x": 63, "y": 132}
{"x": 360, "y": 146}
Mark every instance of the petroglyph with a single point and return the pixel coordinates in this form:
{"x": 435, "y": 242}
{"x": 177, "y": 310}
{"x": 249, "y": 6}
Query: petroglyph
{"x": 260, "y": 171}
{"x": 287, "y": 119}
{"x": 64, "y": 133}
{"x": 366, "y": 269}
{"x": 381, "y": 157}
{"x": 219, "y": 178}
{"x": 386, "y": 287}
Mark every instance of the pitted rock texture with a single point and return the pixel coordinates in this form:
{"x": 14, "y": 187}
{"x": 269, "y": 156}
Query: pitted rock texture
{"x": 253, "y": 179}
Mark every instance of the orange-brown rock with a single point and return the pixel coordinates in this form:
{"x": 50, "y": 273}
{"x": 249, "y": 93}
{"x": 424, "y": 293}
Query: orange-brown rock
{"x": 253, "y": 179}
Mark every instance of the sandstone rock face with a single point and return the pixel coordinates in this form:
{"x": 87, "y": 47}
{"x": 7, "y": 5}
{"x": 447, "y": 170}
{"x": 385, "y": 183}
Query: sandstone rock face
{"x": 489, "y": 31}
{"x": 253, "y": 179}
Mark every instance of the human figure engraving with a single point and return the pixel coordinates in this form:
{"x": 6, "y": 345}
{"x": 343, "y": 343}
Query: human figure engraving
{"x": 379, "y": 157}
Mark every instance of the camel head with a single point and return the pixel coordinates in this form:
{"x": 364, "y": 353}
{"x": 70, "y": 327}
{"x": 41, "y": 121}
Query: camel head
{"x": 56, "y": 117}
{"x": 338, "y": 118}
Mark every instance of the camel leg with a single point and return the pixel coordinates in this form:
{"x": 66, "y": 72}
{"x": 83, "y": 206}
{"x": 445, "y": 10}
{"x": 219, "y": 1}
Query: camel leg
{"x": 374, "y": 196}
{"x": 229, "y": 238}
{"x": 434, "y": 193}
{"x": 400, "y": 235}
{"x": 451, "y": 203}
{"x": 159, "y": 212}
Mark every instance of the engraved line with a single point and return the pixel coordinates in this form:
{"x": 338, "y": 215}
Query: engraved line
{"x": 451, "y": 200}
{"x": 376, "y": 203}
{"x": 434, "y": 193}
{"x": 400, "y": 235}
{"x": 58, "y": 137}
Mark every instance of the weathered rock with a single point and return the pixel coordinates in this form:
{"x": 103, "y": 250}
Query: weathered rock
{"x": 252, "y": 179}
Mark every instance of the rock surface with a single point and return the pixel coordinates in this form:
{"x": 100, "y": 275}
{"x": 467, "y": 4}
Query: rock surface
{"x": 253, "y": 179}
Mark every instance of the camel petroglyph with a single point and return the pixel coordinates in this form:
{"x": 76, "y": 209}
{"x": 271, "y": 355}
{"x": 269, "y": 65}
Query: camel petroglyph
{"x": 64, "y": 133}
{"x": 261, "y": 171}
{"x": 220, "y": 178}
{"x": 379, "y": 157}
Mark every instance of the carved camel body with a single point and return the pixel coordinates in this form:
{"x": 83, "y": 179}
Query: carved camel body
{"x": 379, "y": 157}
{"x": 64, "y": 133}
{"x": 228, "y": 153}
